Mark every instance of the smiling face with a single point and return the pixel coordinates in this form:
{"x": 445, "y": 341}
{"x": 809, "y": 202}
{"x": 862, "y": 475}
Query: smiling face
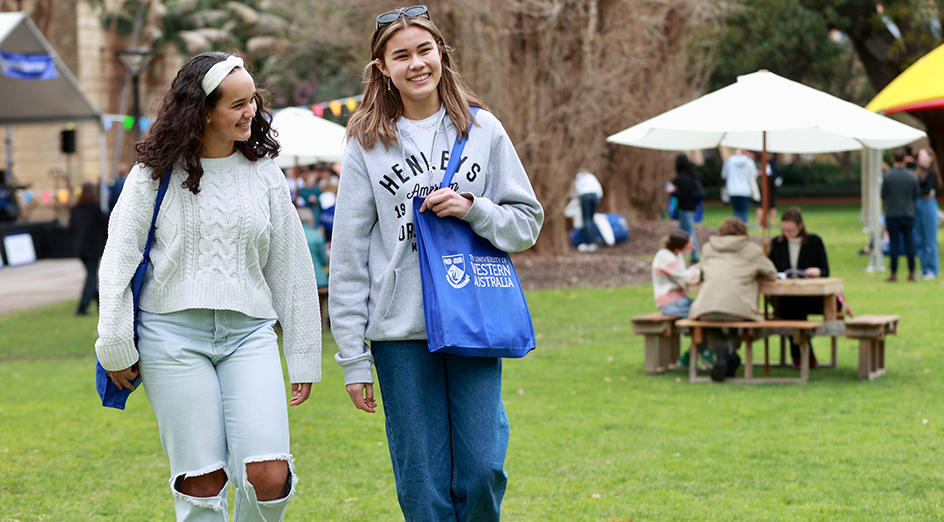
{"x": 231, "y": 119}
{"x": 413, "y": 62}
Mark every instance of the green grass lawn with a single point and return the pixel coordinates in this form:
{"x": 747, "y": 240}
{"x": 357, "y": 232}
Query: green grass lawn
{"x": 593, "y": 438}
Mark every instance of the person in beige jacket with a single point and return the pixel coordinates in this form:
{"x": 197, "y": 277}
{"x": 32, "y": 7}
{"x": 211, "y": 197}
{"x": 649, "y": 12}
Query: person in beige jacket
{"x": 731, "y": 267}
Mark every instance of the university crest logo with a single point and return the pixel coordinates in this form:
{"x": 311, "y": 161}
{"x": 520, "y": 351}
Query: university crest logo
{"x": 455, "y": 270}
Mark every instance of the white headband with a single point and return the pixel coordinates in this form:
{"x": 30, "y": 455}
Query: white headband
{"x": 214, "y": 77}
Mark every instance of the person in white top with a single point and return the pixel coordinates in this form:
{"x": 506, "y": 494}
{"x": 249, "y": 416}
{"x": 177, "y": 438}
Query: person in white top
{"x": 587, "y": 188}
{"x": 739, "y": 172}
{"x": 229, "y": 257}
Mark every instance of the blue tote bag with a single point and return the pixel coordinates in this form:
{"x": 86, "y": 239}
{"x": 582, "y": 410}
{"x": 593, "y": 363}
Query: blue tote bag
{"x": 472, "y": 299}
{"x": 111, "y": 395}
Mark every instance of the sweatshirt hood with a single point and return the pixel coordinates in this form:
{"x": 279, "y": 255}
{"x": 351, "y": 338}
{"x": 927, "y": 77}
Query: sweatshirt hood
{"x": 741, "y": 161}
{"x": 728, "y": 243}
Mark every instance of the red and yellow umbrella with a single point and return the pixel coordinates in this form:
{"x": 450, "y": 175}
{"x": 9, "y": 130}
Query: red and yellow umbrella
{"x": 919, "y": 88}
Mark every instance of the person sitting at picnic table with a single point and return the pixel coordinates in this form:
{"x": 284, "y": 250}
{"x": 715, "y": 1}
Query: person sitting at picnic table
{"x": 731, "y": 266}
{"x": 670, "y": 280}
{"x": 799, "y": 250}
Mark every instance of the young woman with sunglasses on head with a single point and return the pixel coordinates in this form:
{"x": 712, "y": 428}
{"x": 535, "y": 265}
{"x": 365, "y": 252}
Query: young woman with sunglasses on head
{"x": 445, "y": 421}
{"x": 228, "y": 258}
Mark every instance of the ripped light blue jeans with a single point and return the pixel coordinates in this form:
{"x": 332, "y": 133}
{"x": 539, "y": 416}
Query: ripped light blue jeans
{"x": 214, "y": 380}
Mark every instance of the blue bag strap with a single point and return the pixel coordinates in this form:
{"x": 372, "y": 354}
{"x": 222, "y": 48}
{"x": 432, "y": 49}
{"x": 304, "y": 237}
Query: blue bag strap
{"x": 456, "y": 155}
{"x": 165, "y": 181}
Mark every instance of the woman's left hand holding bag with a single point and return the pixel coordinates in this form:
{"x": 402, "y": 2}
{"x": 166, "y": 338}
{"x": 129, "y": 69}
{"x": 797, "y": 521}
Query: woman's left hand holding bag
{"x": 123, "y": 378}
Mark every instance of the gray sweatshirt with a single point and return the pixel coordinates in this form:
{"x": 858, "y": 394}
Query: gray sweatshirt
{"x": 375, "y": 293}
{"x": 737, "y": 173}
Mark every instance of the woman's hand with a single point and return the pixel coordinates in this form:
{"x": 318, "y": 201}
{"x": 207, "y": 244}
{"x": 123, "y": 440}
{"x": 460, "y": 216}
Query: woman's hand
{"x": 362, "y": 394}
{"x": 300, "y": 393}
{"x": 813, "y": 272}
{"x": 447, "y": 202}
{"x": 123, "y": 378}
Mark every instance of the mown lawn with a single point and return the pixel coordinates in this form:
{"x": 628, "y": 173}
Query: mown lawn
{"x": 593, "y": 437}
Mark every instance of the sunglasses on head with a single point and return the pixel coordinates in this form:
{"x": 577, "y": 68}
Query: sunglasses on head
{"x": 393, "y": 16}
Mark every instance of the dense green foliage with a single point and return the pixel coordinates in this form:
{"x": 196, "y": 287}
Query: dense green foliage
{"x": 787, "y": 38}
{"x": 593, "y": 437}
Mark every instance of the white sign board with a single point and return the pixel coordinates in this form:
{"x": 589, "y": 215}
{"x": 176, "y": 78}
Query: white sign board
{"x": 19, "y": 248}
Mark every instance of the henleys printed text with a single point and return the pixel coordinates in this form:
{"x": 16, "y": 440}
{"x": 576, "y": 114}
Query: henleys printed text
{"x": 401, "y": 177}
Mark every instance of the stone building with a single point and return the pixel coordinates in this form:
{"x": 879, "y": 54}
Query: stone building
{"x": 75, "y": 31}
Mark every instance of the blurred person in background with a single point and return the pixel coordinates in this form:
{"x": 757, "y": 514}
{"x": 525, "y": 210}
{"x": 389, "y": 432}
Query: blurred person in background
{"x": 689, "y": 192}
{"x": 90, "y": 231}
{"x": 926, "y": 220}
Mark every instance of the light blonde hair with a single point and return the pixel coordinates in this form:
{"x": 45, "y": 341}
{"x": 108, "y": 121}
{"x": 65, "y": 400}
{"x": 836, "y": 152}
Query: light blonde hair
{"x": 377, "y": 116}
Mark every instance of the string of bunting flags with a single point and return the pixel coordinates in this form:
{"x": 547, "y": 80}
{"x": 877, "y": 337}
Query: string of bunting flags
{"x": 335, "y": 106}
{"x": 62, "y": 195}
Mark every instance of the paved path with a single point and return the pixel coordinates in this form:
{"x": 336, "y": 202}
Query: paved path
{"x": 43, "y": 282}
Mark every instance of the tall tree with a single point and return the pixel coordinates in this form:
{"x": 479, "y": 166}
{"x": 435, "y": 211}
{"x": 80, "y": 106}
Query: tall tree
{"x": 195, "y": 26}
{"x": 787, "y": 38}
{"x": 888, "y": 37}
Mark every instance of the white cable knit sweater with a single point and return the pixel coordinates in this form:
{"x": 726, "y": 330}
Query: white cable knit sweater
{"x": 237, "y": 245}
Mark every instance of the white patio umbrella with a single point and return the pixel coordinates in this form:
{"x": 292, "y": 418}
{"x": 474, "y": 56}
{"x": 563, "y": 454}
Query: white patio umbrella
{"x": 795, "y": 118}
{"x": 764, "y": 111}
{"x": 307, "y": 139}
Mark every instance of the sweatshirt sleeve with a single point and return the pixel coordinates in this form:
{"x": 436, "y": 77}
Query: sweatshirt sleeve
{"x": 508, "y": 214}
{"x": 290, "y": 274}
{"x": 349, "y": 279}
{"x": 127, "y": 234}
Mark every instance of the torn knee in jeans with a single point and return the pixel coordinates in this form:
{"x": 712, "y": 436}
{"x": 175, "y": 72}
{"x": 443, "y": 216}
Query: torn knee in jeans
{"x": 203, "y": 488}
{"x": 269, "y": 477}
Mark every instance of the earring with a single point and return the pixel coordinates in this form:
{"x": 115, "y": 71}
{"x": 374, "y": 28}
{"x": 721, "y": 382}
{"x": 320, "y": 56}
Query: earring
{"x": 387, "y": 81}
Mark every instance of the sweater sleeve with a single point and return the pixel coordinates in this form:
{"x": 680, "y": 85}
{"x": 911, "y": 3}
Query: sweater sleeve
{"x": 508, "y": 214}
{"x": 349, "y": 279}
{"x": 290, "y": 275}
{"x": 819, "y": 254}
{"x": 127, "y": 234}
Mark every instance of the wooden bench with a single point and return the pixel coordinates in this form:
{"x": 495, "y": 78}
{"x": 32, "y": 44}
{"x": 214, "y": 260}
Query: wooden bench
{"x": 662, "y": 340}
{"x": 750, "y": 331}
{"x": 871, "y": 330}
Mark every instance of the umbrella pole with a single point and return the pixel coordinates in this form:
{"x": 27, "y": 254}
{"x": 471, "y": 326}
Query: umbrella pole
{"x": 764, "y": 196}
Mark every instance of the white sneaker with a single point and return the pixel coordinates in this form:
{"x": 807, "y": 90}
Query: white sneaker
{"x": 929, "y": 277}
{"x": 582, "y": 247}
{"x": 592, "y": 247}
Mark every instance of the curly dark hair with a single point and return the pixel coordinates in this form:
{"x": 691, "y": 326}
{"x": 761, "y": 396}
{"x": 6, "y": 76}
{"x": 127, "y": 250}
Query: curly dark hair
{"x": 176, "y": 136}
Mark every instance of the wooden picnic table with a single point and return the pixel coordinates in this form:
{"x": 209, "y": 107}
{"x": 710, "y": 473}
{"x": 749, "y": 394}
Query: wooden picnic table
{"x": 828, "y": 287}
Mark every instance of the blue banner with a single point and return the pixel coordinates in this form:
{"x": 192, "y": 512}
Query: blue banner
{"x": 28, "y": 66}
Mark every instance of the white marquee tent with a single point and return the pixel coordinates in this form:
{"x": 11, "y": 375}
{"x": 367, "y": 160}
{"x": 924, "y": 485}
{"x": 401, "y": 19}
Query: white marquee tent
{"x": 58, "y": 100}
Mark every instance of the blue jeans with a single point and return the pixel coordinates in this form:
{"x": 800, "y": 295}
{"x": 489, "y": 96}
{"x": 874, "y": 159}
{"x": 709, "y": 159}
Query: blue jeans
{"x": 214, "y": 380}
{"x": 588, "y": 207}
{"x": 741, "y": 205}
{"x": 686, "y": 219}
{"x": 446, "y": 430}
{"x": 901, "y": 229}
{"x": 679, "y": 308}
{"x": 926, "y": 235}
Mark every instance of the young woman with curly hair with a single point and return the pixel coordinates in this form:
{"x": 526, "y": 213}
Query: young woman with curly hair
{"x": 229, "y": 258}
